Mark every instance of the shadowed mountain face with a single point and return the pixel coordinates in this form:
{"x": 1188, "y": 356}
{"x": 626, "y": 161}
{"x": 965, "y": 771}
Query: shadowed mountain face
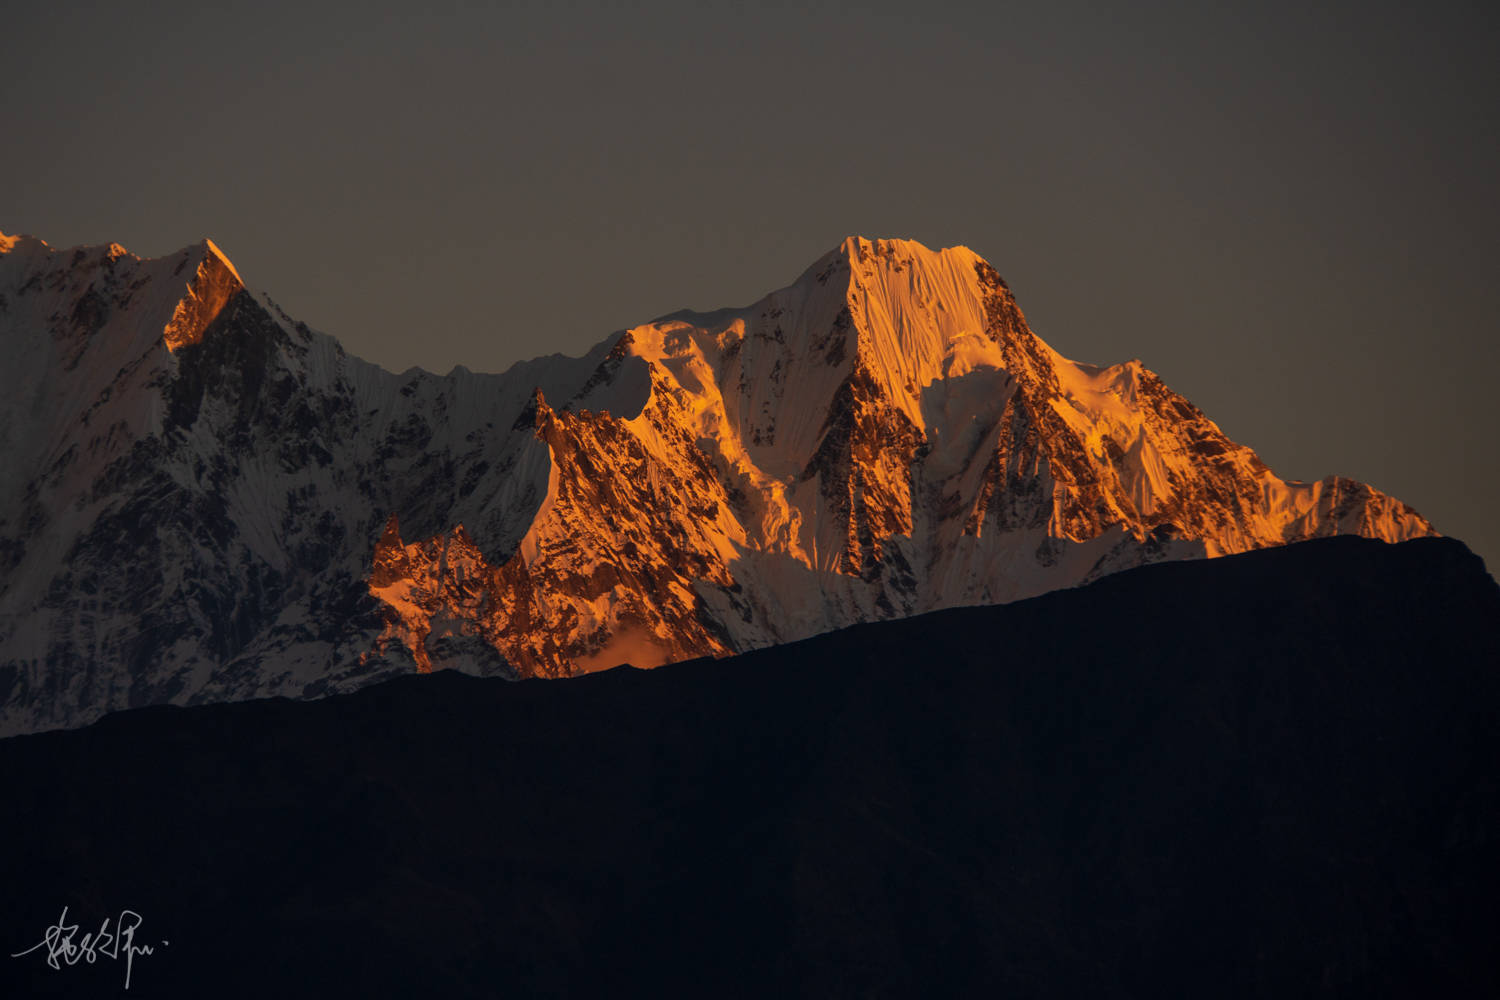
{"x": 1268, "y": 775}
{"x": 207, "y": 501}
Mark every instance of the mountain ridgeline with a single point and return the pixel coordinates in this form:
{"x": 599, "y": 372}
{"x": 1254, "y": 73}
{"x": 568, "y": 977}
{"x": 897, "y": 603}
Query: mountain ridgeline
{"x": 208, "y": 501}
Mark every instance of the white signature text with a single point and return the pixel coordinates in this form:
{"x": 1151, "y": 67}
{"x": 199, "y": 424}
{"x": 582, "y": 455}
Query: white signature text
{"x": 61, "y": 945}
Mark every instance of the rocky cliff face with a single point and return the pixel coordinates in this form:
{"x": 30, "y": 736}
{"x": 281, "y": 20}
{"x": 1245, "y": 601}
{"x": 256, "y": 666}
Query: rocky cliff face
{"x": 209, "y": 501}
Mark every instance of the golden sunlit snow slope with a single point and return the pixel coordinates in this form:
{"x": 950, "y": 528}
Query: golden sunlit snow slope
{"x": 884, "y": 437}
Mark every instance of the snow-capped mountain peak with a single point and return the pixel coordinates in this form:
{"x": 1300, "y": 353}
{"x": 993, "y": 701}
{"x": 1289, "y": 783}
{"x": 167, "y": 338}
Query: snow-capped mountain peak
{"x": 212, "y": 501}
{"x": 211, "y": 248}
{"x": 213, "y": 283}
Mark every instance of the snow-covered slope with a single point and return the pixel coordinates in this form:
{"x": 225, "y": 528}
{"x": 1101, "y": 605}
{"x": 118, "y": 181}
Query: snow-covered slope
{"x": 206, "y": 500}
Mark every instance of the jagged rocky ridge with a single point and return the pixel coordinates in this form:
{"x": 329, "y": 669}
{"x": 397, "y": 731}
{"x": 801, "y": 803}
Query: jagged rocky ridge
{"x": 208, "y": 501}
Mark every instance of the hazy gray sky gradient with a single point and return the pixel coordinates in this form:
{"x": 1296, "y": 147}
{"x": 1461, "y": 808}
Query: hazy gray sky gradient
{"x": 1290, "y": 214}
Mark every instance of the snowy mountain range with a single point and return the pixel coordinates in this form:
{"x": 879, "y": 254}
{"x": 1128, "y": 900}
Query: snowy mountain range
{"x": 205, "y": 500}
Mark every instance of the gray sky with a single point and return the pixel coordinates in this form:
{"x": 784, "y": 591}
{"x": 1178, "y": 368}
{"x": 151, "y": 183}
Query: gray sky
{"x": 1291, "y": 215}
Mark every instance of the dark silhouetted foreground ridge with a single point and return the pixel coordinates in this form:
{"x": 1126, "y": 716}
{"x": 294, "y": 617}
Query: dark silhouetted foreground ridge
{"x": 1273, "y": 774}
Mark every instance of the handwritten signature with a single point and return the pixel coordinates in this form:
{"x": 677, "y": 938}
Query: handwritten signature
{"x": 62, "y": 949}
